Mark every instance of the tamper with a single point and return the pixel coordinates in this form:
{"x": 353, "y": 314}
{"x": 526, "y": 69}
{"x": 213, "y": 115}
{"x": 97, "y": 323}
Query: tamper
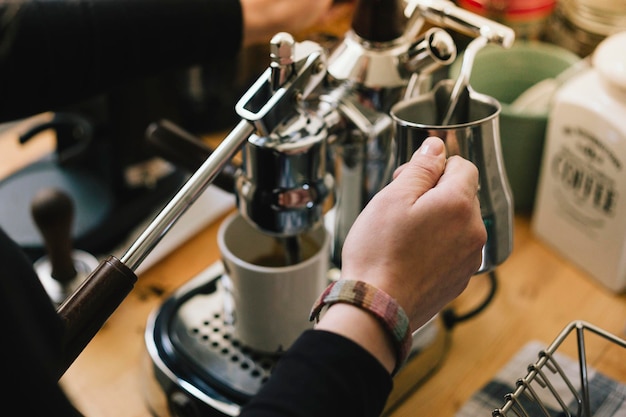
{"x": 63, "y": 269}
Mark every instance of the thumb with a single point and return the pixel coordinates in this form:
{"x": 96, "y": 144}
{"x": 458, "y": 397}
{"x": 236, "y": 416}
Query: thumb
{"x": 423, "y": 170}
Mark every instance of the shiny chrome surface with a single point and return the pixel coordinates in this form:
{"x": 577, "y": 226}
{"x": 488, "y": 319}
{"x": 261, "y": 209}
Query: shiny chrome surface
{"x": 285, "y": 186}
{"x": 473, "y": 133}
{"x": 365, "y": 80}
{"x": 263, "y": 107}
{"x": 447, "y": 14}
{"x": 368, "y": 65}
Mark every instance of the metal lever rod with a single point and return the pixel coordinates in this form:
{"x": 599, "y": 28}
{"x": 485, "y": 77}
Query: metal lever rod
{"x": 447, "y": 14}
{"x": 189, "y": 193}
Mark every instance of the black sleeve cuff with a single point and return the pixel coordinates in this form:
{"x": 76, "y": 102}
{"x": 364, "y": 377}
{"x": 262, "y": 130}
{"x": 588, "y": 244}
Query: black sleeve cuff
{"x": 326, "y": 374}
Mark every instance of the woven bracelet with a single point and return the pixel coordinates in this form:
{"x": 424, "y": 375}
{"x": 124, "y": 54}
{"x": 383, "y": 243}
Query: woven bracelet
{"x": 378, "y": 303}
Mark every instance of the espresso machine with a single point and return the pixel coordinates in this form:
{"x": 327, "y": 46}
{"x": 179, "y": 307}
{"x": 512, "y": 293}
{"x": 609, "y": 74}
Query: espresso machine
{"x": 318, "y": 137}
{"x": 317, "y": 141}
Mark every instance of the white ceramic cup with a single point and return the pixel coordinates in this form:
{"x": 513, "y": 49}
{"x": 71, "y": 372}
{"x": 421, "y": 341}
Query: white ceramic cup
{"x": 270, "y": 305}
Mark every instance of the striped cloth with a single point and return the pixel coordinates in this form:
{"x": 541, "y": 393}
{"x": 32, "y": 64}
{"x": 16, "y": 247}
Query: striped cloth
{"x": 607, "y": 397}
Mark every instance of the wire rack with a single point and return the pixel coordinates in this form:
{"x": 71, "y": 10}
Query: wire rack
{"x": 549, "y": 389}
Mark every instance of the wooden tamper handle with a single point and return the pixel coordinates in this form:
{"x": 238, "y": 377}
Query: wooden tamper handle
{"x": 53, "y": 212}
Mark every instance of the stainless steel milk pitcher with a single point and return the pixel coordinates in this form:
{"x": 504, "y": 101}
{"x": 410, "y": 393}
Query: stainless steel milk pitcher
{"x": 474, "y": 134}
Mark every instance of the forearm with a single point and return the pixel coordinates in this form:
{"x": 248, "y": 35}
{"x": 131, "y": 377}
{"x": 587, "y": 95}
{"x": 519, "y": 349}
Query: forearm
{"x": 264, "y": 18}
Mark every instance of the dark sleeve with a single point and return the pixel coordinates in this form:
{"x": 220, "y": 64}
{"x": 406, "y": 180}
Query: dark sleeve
{"x": 323, "y": 374}
{"x": 56, "y": 52}
{"x": 32, "y": 343}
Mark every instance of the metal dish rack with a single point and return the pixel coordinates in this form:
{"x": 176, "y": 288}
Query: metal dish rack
{"x": 540, "y": 383}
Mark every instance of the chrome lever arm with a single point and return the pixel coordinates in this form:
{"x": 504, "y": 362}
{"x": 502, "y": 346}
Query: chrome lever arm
{"x": 445, "y": 13}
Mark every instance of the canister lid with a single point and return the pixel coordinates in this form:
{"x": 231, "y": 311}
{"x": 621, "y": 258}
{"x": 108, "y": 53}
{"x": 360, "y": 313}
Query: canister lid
{"x": 609, "y": 59}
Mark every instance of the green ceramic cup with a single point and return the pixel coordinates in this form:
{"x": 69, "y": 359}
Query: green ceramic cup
{"x": 504, "y": 74}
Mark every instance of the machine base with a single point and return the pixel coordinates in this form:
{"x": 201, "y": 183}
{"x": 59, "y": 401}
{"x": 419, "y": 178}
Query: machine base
{"x": 195, "y": 367}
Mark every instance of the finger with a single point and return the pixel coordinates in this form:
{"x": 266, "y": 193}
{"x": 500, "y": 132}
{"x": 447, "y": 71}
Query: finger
{"x": 423, "y": 170}
{"x": 461, "y": 174}
{"x": 425, "y": 148}
{"x": 398, "y": 171}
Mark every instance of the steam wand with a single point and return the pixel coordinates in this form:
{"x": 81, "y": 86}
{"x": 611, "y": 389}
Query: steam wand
{"x": 262, "y": 108}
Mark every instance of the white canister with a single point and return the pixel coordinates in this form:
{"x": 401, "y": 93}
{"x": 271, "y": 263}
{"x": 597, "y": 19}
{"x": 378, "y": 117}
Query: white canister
{"x": 581, "y": 198}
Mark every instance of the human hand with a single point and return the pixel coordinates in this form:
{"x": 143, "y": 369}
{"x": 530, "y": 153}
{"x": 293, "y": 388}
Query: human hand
{"x": 264, "y": 18}
{"x": 420, "y": 238}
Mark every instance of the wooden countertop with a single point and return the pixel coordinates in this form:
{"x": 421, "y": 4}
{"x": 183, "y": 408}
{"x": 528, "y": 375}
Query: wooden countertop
{"x": 538, "y": 295}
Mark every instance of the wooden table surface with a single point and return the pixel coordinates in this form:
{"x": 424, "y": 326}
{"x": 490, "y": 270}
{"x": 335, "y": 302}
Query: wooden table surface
{"x": 538, "y": 294}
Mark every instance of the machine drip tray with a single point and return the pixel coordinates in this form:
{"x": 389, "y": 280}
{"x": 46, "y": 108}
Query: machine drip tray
{"x": 198, "y": 364}
{"x": 195, "y": 367}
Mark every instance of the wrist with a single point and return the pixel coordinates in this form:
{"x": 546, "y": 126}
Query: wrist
{"x": 383, "y": 311}
{"x": 362, "y": 328}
